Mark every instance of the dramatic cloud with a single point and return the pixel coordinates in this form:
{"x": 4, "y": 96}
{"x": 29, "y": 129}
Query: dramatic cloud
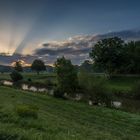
{"x": 76, "y": 48}
{"x": 6, "y": 59}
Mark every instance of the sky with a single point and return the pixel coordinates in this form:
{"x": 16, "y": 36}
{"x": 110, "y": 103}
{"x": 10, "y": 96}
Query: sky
{"x": 26, "y": 25}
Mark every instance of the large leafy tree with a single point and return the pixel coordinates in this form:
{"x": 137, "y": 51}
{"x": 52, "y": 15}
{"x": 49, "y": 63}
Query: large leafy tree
{"x": 66, "y": 76}
{"x": 109, "y": 54}
{"x": 132, "y": 52}
{"x": 38, "y": 65}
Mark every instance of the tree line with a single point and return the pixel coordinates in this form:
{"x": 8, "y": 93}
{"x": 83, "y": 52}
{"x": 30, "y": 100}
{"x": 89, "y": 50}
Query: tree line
{"x": 111, "y": 56}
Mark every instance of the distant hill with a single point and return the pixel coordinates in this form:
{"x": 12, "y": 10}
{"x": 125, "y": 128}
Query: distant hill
{"x": 4, "y": 68}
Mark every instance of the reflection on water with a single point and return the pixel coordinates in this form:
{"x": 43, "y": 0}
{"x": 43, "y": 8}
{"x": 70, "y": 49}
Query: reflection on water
{"x": 116, "y": 104}
{"x": 33, "y": 88}
{"x": 8, "y": 83}
{"x": 26, "y": 87}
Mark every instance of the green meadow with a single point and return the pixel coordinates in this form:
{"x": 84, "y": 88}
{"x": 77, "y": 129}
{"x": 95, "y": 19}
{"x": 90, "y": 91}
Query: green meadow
{"x": 59, "y": 119}
{"x": 120, "y": 83}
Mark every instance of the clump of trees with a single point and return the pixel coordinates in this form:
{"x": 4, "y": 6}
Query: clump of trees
{"x": 69, "y": 82}
{"x": 38, "y": 66}
{"x": 66, "y": 77}
{"x": 108, "y": 54}
{"x": 117, "y": 57}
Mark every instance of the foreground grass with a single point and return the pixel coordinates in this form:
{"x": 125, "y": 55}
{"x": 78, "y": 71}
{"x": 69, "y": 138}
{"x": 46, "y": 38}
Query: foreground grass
{"x": 62, "y": 120}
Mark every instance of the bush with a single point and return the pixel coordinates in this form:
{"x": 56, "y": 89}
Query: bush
{"x": 99, "y": 93}
{"x": 27, "y": 111}
{"x": 95, "y": 89}
{"x": 136, "y": 90}
{"x": 16, "y": 76}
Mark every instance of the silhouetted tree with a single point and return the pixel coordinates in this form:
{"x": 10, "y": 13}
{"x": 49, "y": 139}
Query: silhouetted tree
{"x": 38, "y": 65}
{"x": 18, "y": 66}
{"x": 109, "y": 54}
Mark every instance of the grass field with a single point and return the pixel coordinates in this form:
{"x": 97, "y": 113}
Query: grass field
{"x": 33, "y": 76}
{"x": 62, "y": 120}
{"x": 121, "y": 83}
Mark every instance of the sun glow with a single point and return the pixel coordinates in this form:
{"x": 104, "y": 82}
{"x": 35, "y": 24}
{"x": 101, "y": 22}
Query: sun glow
{"x": 6, "y": 54}
{"x": 22, "y": 62}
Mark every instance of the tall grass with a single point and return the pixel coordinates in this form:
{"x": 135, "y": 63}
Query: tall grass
{"x": 136, "y": 90}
